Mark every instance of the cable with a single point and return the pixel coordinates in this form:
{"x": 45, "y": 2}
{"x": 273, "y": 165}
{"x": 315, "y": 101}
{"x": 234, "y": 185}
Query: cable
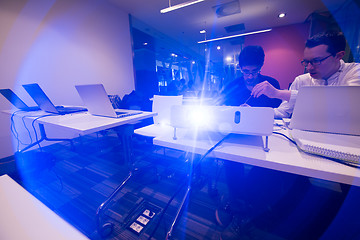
{"x": 13, "y": 130}
{"x": 165, "y": 208}
{"x": 182, "y": 185}
{"x": 27, "y": 129}
{"x": 33, "y": 125}
{"x": 281, "y": 134}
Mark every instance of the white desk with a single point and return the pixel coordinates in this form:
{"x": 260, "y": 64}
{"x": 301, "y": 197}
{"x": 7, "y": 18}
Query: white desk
{"x": 155, "y": 130}
{"x": 283, "y": 155}
{"x": 83, "y": 122}
{"x": 24, "y": 217}
{"x": 80, "y": 123}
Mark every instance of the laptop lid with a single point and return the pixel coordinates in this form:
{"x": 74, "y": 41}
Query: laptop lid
{"x": 43, "y": 101}
{"x": 98, "y": 103}
{"x": 16, "y": 101}
{"x": 329, "y": 109}
{"x": 39, "y": 96}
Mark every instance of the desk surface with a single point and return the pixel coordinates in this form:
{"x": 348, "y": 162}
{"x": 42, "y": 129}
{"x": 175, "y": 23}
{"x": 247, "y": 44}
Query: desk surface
{"x": 85, "y": 123}
{"x": 283, "y": 155}
{"x": 25, "y": 217}
{"x": 82, "y": 122}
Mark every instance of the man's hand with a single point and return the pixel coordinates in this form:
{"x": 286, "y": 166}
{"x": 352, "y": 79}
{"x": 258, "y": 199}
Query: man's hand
{"x": 264, "y": 88}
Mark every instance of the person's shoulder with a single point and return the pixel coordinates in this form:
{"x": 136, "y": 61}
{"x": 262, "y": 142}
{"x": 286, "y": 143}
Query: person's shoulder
{"x": 269, "y": 79}
{"x": 303, "y": 77}
{"x": 353, "y": 66}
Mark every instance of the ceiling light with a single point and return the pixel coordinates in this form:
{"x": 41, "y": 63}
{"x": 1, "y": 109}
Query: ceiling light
{"x": 281, "y": 15}
{"x": 145, "y": 43}
{"x": 233, "y": 36}
{"x": 203, "y": 31}
{"x": 181, "y": 5}
{"x": 218, "y": 47}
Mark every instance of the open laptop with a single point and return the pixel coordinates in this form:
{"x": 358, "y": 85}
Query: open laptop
{"x": 16, "y": 101}
{"x": 327, "y": 109}
{"x": 44, "y": 102}
{"x": 98, "y": 103}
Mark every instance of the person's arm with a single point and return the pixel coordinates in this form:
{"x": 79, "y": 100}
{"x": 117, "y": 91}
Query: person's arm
{"x": 352, "y": 77}
{"x": 286, "y": 107}
{"x": 270, "y": 91}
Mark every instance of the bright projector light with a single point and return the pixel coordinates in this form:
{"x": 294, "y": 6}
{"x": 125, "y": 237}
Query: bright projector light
{"x": 164, "y": 123}
{"x": 200, "y": 117}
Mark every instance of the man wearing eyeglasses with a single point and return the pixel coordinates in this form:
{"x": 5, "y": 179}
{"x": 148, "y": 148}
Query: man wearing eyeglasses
{"x": 238, "y": 92}
{"x": 242, "y": 188}
{"x": 324, "y": 65}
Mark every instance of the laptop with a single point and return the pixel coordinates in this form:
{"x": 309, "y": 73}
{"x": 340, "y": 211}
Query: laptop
{"x": 98, "y": 103}
{"x": 44, "y": 102}
{"x": 327, "y": 109}
{"x": 16, "y": 101}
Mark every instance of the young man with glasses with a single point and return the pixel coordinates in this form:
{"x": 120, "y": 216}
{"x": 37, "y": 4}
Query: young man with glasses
{"x": 243, "y": 184}
{"x": 324, "y": 65}
{"x": 238, "y": 92}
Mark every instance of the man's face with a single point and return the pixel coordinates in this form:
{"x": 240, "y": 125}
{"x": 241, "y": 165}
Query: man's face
{"x": 250, "y": 74}
{"x": 328, "y": 64}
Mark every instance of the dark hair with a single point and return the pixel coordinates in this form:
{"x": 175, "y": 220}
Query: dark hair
{"x": 335, "y": 41}
{"x": 252, "y": 56}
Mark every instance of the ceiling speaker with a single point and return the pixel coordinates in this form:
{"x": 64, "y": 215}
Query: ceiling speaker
{"x": 227, "y": 9}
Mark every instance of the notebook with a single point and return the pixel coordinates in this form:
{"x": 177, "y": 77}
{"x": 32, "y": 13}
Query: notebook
{"x": 44, "y": 102}
{"x": 329, "y": 109}
{"x": 98, "y": 103}
{"x": 16, "y": 101}
{"x": 336, "y": 146}
{"x": 326, "y": 122}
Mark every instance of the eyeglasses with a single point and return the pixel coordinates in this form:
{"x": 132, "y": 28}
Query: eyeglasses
{"x": 314, "y": 62}
{"x": 248, "y": 73}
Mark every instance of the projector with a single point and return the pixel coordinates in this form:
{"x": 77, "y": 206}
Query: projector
{"x": 257, "y": 121}
{"x": 226, "y": 119}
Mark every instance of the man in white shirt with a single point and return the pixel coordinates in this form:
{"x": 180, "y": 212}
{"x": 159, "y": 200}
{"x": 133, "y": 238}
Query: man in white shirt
{"x": 323, "y": 61}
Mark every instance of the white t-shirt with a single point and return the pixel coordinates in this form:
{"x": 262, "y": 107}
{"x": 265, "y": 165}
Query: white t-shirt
{"x": 347, "y": 75}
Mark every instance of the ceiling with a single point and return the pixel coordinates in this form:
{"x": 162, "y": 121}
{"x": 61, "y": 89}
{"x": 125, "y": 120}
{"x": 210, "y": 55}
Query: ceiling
{"x": 215, "y": 16}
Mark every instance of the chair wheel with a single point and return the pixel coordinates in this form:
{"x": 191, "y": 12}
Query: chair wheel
{"x": 106, "y": 229}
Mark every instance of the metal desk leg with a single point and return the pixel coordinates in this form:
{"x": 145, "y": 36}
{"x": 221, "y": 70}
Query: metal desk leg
{"x": 44, "y": 137}
{"x": 266, "y": 146}
{"x": 187, "y": 193}
{"x": 125, "y": 133}
{"x": 107, "y": 228}
{"x": 168, "y": 234}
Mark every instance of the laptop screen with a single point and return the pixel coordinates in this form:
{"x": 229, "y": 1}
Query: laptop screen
{"x": 13, "y": 98}
{"x": 40, "y": 97}
{"x": 329, "y": 109}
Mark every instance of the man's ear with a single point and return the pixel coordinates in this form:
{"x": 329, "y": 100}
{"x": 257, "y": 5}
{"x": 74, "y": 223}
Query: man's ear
{"x": 340, "y": 55}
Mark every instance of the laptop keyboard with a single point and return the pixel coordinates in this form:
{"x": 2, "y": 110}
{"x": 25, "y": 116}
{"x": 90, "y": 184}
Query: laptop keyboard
{"x": 63, "y": 110}
{"x": 126, "y": 114}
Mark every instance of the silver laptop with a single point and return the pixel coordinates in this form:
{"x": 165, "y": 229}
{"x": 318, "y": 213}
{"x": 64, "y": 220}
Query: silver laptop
{"x": 98, "y": 103}
{"x": 16, "y": 100}
{"x": 328, "y": 109}
{"x": 44, "y": 102}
